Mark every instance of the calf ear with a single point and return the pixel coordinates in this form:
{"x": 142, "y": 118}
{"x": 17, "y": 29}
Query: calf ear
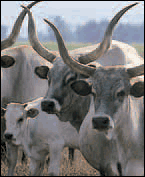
{"x": 7, "y": 61}
{"x": 81, "y": 87}
{"x": 42, "y": 72}
{"x": 137, "y": 90}
{"x": 33, "y": 112}
{"x": 3, "y": 110}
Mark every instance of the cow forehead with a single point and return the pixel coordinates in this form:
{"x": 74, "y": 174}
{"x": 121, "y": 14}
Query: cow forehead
{"x": 109, "y": 76}
{"x": 59, "y": 69}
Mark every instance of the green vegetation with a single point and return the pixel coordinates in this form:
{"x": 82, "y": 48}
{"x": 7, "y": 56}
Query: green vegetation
{"x": 139, "y": 48}
{"x": 72, "y": 46}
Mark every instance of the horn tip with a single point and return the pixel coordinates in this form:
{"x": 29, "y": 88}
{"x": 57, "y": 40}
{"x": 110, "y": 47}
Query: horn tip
{"x": 134, "y": 4}
{"x": 45, "y": 19}
{"x": 24, "y": 7}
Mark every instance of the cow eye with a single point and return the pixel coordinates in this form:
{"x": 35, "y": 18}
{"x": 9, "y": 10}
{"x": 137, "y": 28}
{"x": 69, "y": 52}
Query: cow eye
{"x": 70, "y": 78}
{"x": 20, "y": 120}
{"x": 121, "y": 93}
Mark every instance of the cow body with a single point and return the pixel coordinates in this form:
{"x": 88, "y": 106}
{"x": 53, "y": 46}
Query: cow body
{"x": 42, "y": 135}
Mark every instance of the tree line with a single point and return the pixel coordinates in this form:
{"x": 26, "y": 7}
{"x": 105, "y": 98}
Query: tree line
{"x": 91, "y": 31}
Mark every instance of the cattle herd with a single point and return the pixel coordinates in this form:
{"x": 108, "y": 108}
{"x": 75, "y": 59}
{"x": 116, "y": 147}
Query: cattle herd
{"x": 90, "y": 99}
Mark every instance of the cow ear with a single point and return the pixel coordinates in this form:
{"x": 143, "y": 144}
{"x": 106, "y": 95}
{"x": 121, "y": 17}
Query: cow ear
{"x": 137, "y": 89}
{"x": 33, "y": 112}
{"x": 42, "y": 71}
{"x": 3, "y": 110}
{"x": 81, "y": 87}
{"x": 7, "y": 61}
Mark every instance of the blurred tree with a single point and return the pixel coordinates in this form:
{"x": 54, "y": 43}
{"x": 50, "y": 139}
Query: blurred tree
{"x": 93, "y": 32}
{"x": 64, "y": 29}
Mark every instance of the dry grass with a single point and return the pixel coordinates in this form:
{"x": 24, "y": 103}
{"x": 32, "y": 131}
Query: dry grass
{"x": 79, "y": 167}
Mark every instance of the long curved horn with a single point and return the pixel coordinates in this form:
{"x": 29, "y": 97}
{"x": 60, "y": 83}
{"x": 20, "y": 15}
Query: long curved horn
{"x": 16, "y": 28}
{"x": 105, "y": 44}
{"x": 34, "y": 41}
{"x": 136, "y": 71}
{"x": 73, "y": 64}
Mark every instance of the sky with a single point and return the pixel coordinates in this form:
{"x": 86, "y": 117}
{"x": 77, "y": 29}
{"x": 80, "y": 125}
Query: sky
{"x": 74, "y": 12}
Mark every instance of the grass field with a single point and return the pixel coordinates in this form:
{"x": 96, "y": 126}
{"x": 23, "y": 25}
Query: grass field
{"x": 72, "y": 46}
{"x": 79, "y": 167}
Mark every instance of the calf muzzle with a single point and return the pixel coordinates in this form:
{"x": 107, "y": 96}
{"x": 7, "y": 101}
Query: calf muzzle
{"x": 8, "y": 136}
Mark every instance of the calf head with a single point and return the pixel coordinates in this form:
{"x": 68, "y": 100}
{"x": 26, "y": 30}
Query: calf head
{"x": 16, "y": 117}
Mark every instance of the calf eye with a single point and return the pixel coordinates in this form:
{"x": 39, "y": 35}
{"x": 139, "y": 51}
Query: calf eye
{"x": 20, "y": 120}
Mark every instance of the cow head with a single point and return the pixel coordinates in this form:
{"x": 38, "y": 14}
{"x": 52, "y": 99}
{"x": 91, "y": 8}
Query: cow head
{"x": 16, "y": 116}
{"x": 59, "y": 77}
{"x": 60, "y": 94}
{"x": 110, "y": 87}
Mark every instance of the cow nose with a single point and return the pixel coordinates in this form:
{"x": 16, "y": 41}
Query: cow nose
{"x": 8, "y": 136}
{"x": 100, "y": 122}
{"x": 47, "y": 106}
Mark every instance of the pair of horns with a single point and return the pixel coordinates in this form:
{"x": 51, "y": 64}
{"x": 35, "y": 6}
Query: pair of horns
{"x": 79, "y": 67}
{"x": 16, "y": 28}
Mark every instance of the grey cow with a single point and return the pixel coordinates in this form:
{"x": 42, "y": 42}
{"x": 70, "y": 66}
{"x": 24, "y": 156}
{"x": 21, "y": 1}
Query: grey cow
{"x": 112, "y": 134}
{"x": 70, "y": 83}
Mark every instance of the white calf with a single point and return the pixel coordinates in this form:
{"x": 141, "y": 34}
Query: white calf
{"x": 38, "y": 136}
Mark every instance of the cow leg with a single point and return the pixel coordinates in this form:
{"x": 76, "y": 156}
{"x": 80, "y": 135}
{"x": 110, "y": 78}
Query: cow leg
{"x": 12, "y": 152}
{"x": 55, "y": 158}
{"x": 112, "y": 170}
{"x": 35, "y": 167}
{"x": 42, "y": 168}
{"x": 71, "y": 155}
{"x": 3, "y": 150}
{"x": 20, "y": 155}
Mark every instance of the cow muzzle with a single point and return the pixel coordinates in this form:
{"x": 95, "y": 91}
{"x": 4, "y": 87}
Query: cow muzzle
{"x": 50, "y": 106}
{"x": 103, "y": 124}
